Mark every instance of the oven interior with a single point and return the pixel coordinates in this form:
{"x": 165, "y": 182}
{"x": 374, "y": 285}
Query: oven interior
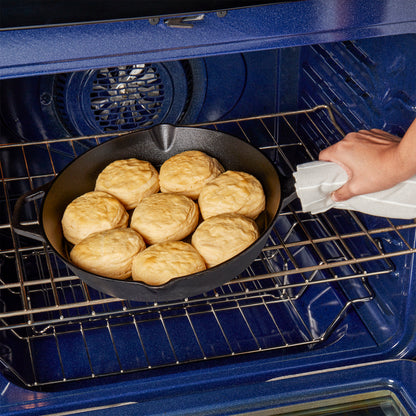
{"x": 331, "y": 287}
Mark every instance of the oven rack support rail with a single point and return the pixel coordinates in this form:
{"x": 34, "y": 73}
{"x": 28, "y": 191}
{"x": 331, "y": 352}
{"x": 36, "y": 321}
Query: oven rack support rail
{"x": 41, "y": 301}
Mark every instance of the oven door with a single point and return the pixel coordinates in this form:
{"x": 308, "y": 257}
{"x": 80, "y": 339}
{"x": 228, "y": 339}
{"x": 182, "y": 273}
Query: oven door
{"x": 383, "y": 388}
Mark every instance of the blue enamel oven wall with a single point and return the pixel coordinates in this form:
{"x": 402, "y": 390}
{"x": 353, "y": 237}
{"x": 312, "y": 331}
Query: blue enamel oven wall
{"x": 64, "y": 49}
{"x": 288, "y": 56}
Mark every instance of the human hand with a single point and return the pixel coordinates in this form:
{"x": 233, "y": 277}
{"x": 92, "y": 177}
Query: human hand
{"x": 372, "y": 159}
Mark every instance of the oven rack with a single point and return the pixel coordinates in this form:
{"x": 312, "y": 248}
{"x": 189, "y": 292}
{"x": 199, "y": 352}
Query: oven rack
{"x": 43, "y": 303}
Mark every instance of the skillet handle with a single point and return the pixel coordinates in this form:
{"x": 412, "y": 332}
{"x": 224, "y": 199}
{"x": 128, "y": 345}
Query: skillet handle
{"x": 29, "y": 230}
{"x": 288, "y": 190}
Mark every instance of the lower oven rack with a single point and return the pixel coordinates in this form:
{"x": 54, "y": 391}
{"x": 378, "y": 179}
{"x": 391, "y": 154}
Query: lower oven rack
{"x": 44, "y": 307}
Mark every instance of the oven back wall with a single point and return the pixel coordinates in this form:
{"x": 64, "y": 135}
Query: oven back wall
{"x": 125, "y": 98}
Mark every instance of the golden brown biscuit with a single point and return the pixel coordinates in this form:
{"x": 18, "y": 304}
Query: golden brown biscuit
{"x": 90, "y": 213}
{"x": 108, "y": 253}
{"x": 187, "y": 172}
{"x": 129, "y": 180}
{"x": 162, "y": 262}
{"x": 232, "y": 191}
{"x": 165, "y": 217}
{"x": 221, "y": 237}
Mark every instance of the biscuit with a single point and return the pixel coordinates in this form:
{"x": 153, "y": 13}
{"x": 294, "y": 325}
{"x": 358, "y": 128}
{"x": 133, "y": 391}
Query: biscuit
{"x": 162, "y": 262}
{"x": 221, "y": 237}
{"x": 187, "y": 172}
{"x": 108, "y": 253}
{"x": 129, "y": 180}
{"x": 90, "y": 213}
{"x": 232, "y": 191}
{"x": 165, "y": 217}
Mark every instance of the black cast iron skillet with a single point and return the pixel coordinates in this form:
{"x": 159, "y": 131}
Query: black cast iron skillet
{"x": 154, "y": 145}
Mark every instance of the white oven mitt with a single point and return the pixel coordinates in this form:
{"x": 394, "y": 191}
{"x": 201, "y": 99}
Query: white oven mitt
{"x": 315, "y": 181}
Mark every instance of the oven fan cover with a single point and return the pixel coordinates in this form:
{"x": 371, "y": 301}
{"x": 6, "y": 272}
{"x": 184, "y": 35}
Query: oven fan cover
{"x": 108, "y": 100}
{"x": 124, "y": 98}
{"x": 131, "y": 97}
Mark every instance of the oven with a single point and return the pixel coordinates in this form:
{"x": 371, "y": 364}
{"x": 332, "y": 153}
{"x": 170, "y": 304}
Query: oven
{"x": 324, "y": 319}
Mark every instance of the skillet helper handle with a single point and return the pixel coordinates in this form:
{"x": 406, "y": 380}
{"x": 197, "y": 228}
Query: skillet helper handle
{"x": 288, "y": 190}
{"x": 28, "y": 230}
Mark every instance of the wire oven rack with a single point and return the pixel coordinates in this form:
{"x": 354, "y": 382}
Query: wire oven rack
{"x": 50, "y": 313}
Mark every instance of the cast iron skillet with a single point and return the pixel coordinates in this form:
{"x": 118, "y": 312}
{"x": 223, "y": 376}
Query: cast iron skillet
{"x": 155, "y": 145}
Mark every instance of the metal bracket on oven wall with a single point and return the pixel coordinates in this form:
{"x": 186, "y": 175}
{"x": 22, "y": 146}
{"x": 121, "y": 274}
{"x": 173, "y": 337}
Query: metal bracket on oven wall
{"x": 184, "y": 22}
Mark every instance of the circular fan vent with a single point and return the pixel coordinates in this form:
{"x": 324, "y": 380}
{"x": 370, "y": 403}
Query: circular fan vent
{"x": 126, "y": 97}
{"x": 122, "y": 98}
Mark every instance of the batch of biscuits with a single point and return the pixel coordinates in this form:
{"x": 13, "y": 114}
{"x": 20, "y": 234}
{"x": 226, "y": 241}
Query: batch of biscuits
{"x": 152, "y": 226}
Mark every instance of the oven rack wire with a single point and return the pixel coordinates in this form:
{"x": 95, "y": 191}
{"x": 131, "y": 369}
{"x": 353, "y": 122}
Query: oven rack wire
{"x": 42, "y": 302}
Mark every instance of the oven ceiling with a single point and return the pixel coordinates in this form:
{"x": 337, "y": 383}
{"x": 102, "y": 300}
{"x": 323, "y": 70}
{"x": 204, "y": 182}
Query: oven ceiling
{"x": 26, "y": 13}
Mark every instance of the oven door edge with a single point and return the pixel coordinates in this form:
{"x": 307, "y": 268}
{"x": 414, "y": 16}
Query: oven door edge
{"x": 393, "y": 379}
